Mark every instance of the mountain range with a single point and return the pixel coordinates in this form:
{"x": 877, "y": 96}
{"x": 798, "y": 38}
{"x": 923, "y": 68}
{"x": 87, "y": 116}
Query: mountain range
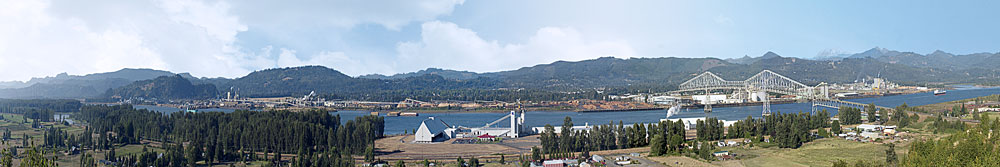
{"x": 613, "y": 75}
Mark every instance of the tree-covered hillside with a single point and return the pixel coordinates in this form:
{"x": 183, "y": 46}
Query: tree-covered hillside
{"x": 164, "y": 87}
{"x": 303, "y": 80}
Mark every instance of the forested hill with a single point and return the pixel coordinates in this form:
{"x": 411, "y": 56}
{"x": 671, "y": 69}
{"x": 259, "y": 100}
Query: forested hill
{"x": 448, "y": 74}
{"x": 87, "y": 86}
{"x": 127, "y": 74}
{"x": 295, "y": 81}
{"x": 595, "y": 73}
{"x": 164, "y": 87}
{"x": 937, "y": 59}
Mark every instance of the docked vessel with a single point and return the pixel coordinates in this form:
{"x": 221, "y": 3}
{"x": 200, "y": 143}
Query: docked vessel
{"x": 939, "y": 92}
{"x": 392, "y": 114}
{"x": 405, "y": 114}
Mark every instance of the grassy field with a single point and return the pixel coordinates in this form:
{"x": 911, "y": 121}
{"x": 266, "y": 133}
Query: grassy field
{"x": 822, "y": 152}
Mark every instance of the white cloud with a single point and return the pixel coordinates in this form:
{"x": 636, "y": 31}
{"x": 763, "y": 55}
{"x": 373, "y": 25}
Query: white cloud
{"x": 41, "y": 44}
{"x": 201, "y": 37}
{"x": 341, "y": 13}
{"x": 445, "y": 45}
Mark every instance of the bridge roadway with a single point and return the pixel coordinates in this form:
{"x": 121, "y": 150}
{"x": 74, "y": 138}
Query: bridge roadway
{"x": 836, "y": 103}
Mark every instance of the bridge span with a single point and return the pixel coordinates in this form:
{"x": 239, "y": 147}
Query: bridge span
{"x": 761, "y": 84}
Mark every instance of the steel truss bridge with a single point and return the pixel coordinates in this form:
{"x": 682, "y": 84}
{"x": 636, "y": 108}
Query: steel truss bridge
{"x": 833, "y": 103}
{"x": 765, "y": 81}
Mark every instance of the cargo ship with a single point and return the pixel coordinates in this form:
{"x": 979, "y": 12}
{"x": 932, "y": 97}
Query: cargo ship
{"x": 939, "y": 92}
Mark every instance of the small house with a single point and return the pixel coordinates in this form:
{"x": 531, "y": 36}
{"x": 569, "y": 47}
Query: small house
{"x": 720, "y": 153}
{"x": 554, "y": 163}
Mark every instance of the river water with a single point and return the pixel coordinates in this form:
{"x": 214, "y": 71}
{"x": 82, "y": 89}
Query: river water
{"x": 397, "y": 125}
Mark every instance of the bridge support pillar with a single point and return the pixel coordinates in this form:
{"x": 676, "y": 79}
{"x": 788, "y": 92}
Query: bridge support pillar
{"x": 708, "y": 100}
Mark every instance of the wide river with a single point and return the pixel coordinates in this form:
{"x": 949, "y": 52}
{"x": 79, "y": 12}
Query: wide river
{"x": 397, "y": 125}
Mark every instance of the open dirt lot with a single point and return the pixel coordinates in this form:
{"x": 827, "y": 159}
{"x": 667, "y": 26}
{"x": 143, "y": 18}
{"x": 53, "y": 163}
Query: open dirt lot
{"x": 401, "y": 148}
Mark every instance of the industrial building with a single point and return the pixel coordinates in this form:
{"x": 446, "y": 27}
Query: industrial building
{"x": 432, "y": 130}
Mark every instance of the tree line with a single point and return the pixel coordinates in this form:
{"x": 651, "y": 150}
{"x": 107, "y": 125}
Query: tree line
{"x": 606, "y": 137}
{"x": 849, "y": 115}
{"x": 316, "y": 136}
{"x": 38, "y": 109}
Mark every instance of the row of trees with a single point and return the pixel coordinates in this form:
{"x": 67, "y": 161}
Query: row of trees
{"x": 317, "y": 136}
{"x": 710, "y": 129}
{"x": 38, "y": 109}
{"x": 14, "y": 106}
{"x": 787, "y": 130}
{"x": 900, "y": 118}
{"x": 609, "y": 136}
{"x": 849, "y": 115}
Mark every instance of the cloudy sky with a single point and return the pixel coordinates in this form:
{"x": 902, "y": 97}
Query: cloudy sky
{"x": 219, "y": 38}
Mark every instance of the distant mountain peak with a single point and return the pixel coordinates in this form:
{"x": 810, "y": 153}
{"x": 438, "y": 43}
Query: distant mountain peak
{"x": 940, "y": 53}
{"x": 750, "y": 60}
{"x": 875, "y": 53}
{"x": 769, "y": 55}
{"x": 879, "y": 50}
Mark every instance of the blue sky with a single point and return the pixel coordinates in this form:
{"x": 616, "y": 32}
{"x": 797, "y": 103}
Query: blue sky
{"x": 220, "y": 38}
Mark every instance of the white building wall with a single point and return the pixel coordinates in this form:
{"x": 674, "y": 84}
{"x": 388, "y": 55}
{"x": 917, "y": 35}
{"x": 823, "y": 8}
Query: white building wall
{"x": 423, "y": 134}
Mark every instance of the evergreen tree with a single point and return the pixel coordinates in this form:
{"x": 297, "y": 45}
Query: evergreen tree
{"x": 705, "y": 152}
{"x": 890, "y": 155}
{"x": 193, "y": 154}
{"x": 370, "y": 154}
{"x": 536, "y": 154}
{"x": 657, "y": 146}
{"x": 566, "y": 136}
{"x": 870, "y": 109}
{"x": 835, "y": 127}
